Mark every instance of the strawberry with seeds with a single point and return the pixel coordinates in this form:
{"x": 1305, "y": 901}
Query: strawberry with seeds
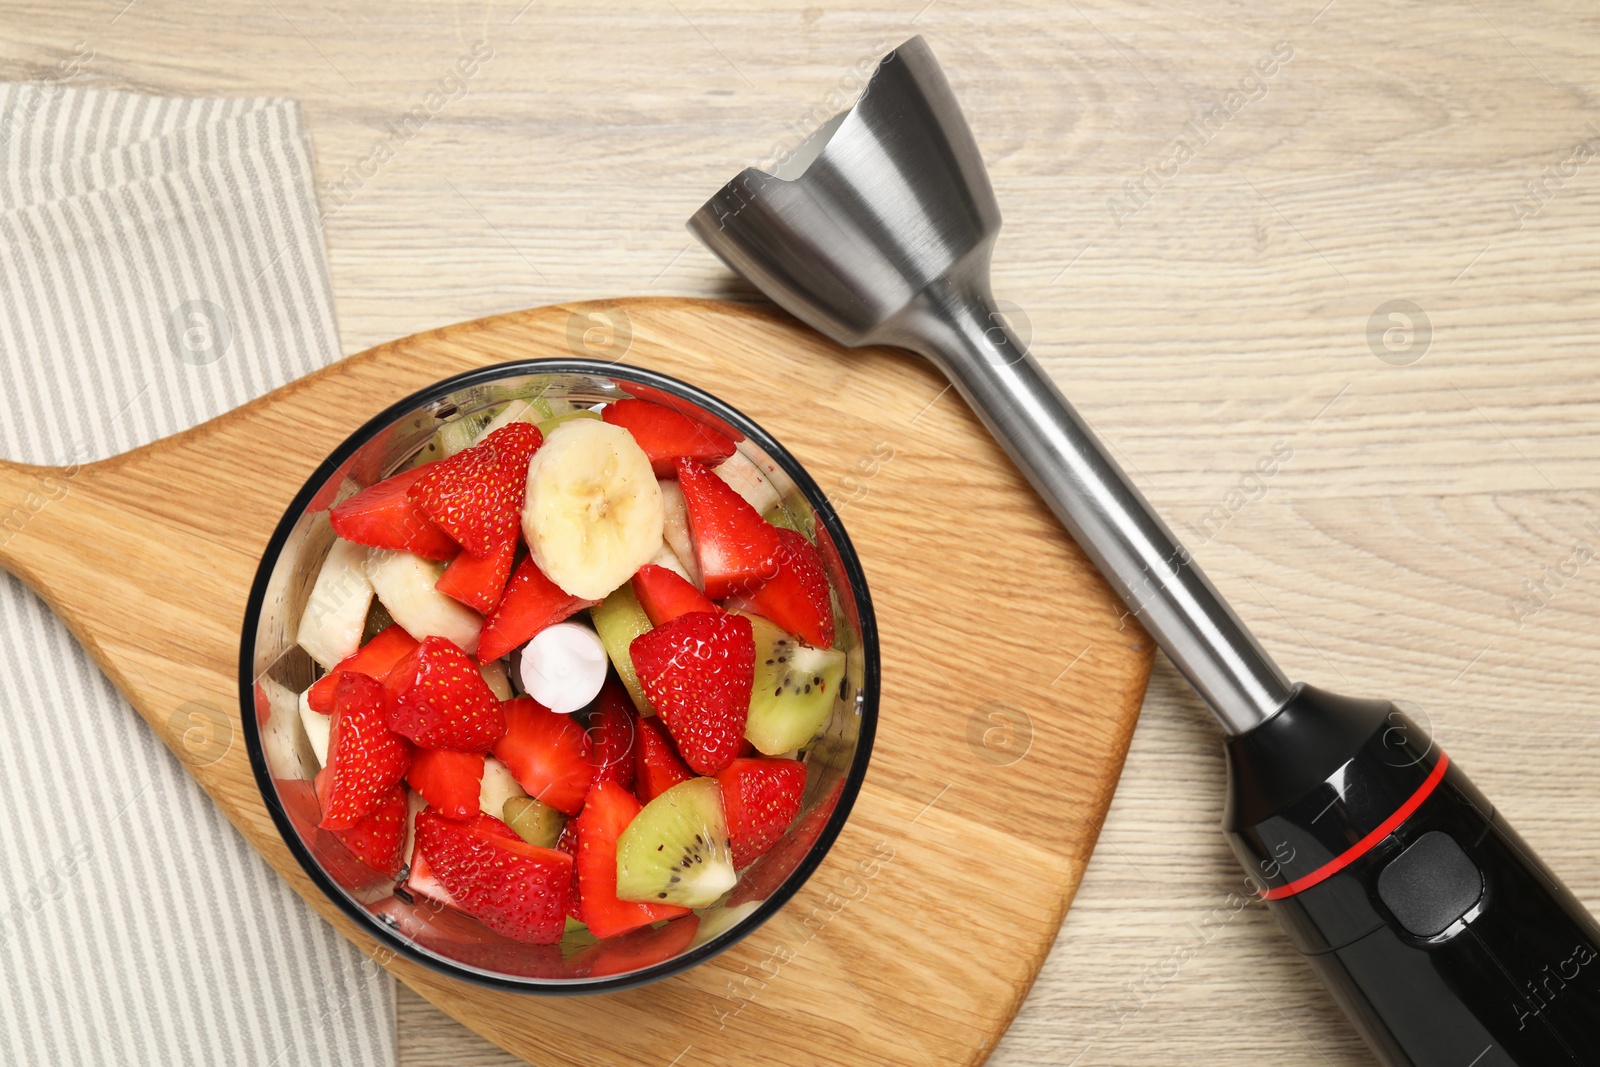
{"x": 569, "y": 844}
{"x": 735, "y": 547}
{"x": 665, "y": 595}
{"x": 763, "y": 877}
{"x": 697, "y": 671}
{"x": 420, "y": 879}
{"x": 449, "y": 781}
{"x": 531, "y": 603}
{"x": 438, "y": 699}
{"x": 549, "y": 755}
{"x": 375, "y": 659}
{"x": 796, "y": 596}
{"x": 516, "y": 889}
{"x": 476, "y": 495}
{"x": 612, "y": 735}
{"x": 365, "y": 758}
{"x": 760, "y": 797}
{"x": 665, "y": 435}
{"x": 379, "y": 839}
{"x": 479, "y": 582}
{"x": 657, "y": 765}
{"x": 384, "y": 516}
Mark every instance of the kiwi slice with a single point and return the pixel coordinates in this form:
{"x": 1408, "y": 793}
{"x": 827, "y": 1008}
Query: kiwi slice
{"x": 535, "y": 822}
{"x": 576, "y": 939}
{"x": 534, "y": 410}
{"x": 794, "y": 690}
{"x": 676, "y": 850}
{"x": 780, "y": 515}
{"x": 618, "y": 619}
{"x": 716, "y": 920}
{"x": 452, "y": 437}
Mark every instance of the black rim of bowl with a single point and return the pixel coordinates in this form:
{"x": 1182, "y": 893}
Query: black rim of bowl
{"x": 623, "y": 374}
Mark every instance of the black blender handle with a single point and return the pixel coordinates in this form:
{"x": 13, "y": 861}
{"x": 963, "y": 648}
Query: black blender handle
{"x": 885, "y": 238}
{"x": 1438, "y": 931}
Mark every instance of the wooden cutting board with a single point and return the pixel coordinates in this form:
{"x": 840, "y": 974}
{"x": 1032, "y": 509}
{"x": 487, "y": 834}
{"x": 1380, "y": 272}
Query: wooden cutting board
{"x": 1010, "y": 685}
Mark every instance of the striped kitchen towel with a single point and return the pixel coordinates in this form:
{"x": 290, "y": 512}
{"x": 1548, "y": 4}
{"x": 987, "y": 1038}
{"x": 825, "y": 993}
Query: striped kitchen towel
{"x": 161, "y": 262}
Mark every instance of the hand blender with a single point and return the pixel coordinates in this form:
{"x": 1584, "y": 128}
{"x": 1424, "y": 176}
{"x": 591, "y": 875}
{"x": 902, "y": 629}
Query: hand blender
{"x": 1441, "y": 935}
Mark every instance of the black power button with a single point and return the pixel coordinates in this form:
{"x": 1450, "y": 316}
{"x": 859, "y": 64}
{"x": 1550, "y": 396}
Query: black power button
{"x": 1430, "y": 885}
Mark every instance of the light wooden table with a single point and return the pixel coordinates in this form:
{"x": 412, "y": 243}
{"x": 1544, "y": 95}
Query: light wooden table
{"x": 1224, "y": 310}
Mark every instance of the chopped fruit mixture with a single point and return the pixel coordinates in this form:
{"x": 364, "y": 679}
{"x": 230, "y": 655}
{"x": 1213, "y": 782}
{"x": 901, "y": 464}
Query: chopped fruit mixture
{"x": 574, "y": 672}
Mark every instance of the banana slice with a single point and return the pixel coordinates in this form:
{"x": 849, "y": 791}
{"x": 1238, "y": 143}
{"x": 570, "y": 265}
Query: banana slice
{"x": 497, "y": 787}
{"x": 748, "y": 480}
{"x": 494, "y": 676}
{"x": 284, "y": 744}
{"x": 593, "y": 513}
{"x": 330, "y": 627}
{"x": 669, "y": 559}
{"x": 677, "y": 534}
{"x": 318, "y": 727}
{"x": 405, "y": 585}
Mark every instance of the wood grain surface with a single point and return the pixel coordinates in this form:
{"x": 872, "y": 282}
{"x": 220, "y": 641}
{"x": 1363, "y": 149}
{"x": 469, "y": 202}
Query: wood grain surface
{"x": 1236, "y": 306}
{"x": 995, "y": 757}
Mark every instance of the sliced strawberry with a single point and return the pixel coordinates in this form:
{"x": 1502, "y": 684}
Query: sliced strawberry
{"x": 760, "y": 797}
{"x": 379, "y": 839}
{"x": 735, "y": 546}
{"x": 438, "y": 698}
{"x": 548, "y": 754}
{"x": 479, "y": 582}
{"x": 665, "y": 435}
{"x": 796, "y": 596}
{"x": 637, "y": 950}
{"x": 697, "y": 671}
{"x": 365, "y": 758}
{"x": 606, "y": 813}
{"x": 612, "y": 733}
{"x": 569, "y": 844}
{"x": 421, "y": 879}
{"x": 448, "y": 781}
{"x": 531, "y": 603}
{"x": 375, "y": 659}
{"x": 300, "y": 801}
{"x": 512, "y": 887}
{"x": 772, "y": 870}
{"x": 336, "y": 854}
{"x": 487, "y": 824}
{"x": 657, "y": 765}
{"x": 665, "y": 594}
{"x": 476, "y": 495}
{"x": 671, "y": 400}
{"x": 384, "y": 516}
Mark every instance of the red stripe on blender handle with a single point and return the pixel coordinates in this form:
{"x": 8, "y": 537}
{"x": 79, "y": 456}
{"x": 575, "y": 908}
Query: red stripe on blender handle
{"x": 1366, "y": 844}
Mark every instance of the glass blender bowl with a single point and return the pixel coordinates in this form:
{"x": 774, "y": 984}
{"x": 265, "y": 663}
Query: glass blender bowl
{"x": 274, "y": 670}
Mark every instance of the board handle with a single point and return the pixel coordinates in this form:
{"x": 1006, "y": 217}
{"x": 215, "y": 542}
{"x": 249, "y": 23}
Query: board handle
{"x": 27, "y": 493}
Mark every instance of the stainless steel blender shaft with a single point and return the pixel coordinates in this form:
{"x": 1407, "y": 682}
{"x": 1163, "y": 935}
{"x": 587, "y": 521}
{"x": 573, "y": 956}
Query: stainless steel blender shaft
{"x": 1410, "y": 895}
{"x": 885, "y": 238}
